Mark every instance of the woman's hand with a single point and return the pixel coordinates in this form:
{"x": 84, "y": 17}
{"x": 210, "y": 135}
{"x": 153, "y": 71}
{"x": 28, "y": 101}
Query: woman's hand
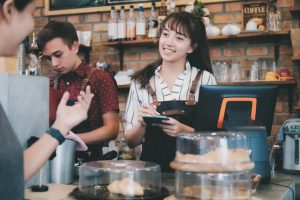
{"x": 172, "y": 127}
{"x": 69, "y": 116}
{"x": 146, "y": 110}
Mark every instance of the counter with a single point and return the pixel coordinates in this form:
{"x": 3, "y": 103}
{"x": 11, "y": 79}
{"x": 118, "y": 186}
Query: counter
{"x": 282, "y": 187}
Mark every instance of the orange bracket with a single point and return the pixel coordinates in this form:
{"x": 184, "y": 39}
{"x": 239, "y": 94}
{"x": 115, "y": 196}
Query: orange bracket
{"x": 236, "y": 99}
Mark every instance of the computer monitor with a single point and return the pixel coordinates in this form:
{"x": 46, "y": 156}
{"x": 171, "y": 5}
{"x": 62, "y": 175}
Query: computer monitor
{"x": 220, "y": 103}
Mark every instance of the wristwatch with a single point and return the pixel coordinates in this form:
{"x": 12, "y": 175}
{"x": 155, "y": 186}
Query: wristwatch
{"x": 56, "y": 134}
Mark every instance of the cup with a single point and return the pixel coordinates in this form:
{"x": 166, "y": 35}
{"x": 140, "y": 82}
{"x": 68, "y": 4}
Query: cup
{"x": 285, "y": 73}
{"x": 251, "y": 26}
{"x": 235, "y": 72}
{"x": 62, "y": 166}
{"x": 272, "y": 76}
{"x": 254, "y": 71}
{"x": 223, "y": 75}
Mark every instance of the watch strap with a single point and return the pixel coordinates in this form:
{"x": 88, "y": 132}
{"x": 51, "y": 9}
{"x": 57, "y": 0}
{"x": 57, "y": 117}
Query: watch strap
{"x": 56, "y": 134}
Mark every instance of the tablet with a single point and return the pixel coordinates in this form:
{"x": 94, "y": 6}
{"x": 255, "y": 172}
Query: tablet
{"x": 154, "y": 119}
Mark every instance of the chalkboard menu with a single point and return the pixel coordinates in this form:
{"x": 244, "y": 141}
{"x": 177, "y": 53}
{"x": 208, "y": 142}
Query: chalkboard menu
{"x": 66, "y": 7}
{"x": 73, "y": 4}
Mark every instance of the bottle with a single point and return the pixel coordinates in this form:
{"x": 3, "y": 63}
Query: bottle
{"x": 170, "y": 6}
{"x": 162, "y": 12}
{"x": 125, "y": 153}
{"x": 274, "y": 18}
{"x": 112, "y": 25}
{"x": 264, "y": 69}
{"x": 152, "y": 23}
{"x": 131, "y": 25}
{"x": 122, "y": 25}
{"x": 140, "y": 24}
{"x": 274, "y": 67}
{"x": 33, "y": 45}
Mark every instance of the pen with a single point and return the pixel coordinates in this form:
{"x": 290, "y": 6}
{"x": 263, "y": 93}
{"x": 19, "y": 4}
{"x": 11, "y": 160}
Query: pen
{"x": 140, "y": 102}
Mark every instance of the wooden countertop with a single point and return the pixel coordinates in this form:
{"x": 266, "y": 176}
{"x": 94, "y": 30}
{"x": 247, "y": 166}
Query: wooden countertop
{"x": 282, "y": 187}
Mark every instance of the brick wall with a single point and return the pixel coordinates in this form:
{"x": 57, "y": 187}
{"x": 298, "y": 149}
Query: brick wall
{"x": 135, "y": 57}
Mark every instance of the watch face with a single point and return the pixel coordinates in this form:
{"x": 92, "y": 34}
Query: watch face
{"x": 71, "y": 102}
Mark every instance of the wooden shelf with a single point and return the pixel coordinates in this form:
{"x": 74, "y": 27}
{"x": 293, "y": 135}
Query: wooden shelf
{"x": 132, "y": 42}
{"x": 274, "y": 37}
{"x": 289, "y": 82}
{"x": 297, "y": 107}
{"x": 296, "y": 58}
{"x": 255, "y": 35}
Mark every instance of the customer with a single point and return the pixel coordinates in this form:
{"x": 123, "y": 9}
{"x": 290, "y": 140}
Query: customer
{"x": 166, "y": 86}
{"x": 16, "y": 22}
{"x": 59, "y": 44}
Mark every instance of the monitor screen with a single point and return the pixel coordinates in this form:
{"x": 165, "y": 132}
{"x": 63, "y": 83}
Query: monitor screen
{"x": 220, "y": 103}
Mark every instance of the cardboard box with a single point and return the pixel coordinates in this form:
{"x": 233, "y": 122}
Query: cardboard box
{"x": 256, "y": 12}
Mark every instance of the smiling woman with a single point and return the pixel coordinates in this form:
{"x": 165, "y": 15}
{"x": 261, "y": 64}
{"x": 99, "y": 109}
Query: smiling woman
{"x": 168, "y": 86}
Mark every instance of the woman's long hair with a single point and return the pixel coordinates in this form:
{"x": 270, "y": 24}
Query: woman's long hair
{"x": 194, "y": 28}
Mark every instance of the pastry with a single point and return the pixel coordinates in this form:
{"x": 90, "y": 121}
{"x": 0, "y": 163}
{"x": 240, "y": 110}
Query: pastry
{"x": 218, "y": 160}
{"x": 219, "y": 155}
{"x": 216, "y": 192}
{"x": 126, "y": 187}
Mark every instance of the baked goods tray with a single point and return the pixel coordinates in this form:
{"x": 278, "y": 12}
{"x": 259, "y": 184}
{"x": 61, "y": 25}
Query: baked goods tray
{"x": 102, "y": 193}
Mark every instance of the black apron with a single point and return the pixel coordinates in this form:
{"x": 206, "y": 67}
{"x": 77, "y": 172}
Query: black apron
{"x": 159, "y": 147}
{"x": 94, "y": 151}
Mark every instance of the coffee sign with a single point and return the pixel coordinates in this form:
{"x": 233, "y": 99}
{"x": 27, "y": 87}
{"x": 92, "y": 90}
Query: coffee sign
{"x": 255, "y": 13}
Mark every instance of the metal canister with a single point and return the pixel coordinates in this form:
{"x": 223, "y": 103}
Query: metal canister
{"x": 62, "y": 166}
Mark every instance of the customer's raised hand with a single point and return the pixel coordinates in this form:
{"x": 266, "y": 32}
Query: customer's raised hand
{"x": 69, "y": 116}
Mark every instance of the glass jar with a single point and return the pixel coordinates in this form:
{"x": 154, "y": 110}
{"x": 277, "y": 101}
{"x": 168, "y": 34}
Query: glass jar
{"x": 125, "y": 153}
{"x": 119, "y": 179}
{"x": 212, "y": 166}
{"x": 274, "y": 18}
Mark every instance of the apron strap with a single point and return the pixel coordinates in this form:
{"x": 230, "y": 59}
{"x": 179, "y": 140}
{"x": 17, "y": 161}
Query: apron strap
{"x": 152, "y": 93}
{"x": 86, "y": 80}
{"x": 173, "y": 112}
{"x": 191, "y": 97}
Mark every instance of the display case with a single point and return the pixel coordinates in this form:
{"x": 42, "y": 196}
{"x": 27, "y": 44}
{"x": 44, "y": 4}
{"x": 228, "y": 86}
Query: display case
{"x": 120, "y": 179}
{"x": 212, "y": 166}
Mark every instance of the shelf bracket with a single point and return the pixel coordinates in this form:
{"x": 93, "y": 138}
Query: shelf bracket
{"x": 289, "y": 89}
{"x": 276, "y": 51}
{"x": 121, "y": 56}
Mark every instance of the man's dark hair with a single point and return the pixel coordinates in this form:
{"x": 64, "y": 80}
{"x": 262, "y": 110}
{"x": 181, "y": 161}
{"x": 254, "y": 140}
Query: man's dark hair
{"x": 56, "y": 29}
{"x": 19, "y": 4}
